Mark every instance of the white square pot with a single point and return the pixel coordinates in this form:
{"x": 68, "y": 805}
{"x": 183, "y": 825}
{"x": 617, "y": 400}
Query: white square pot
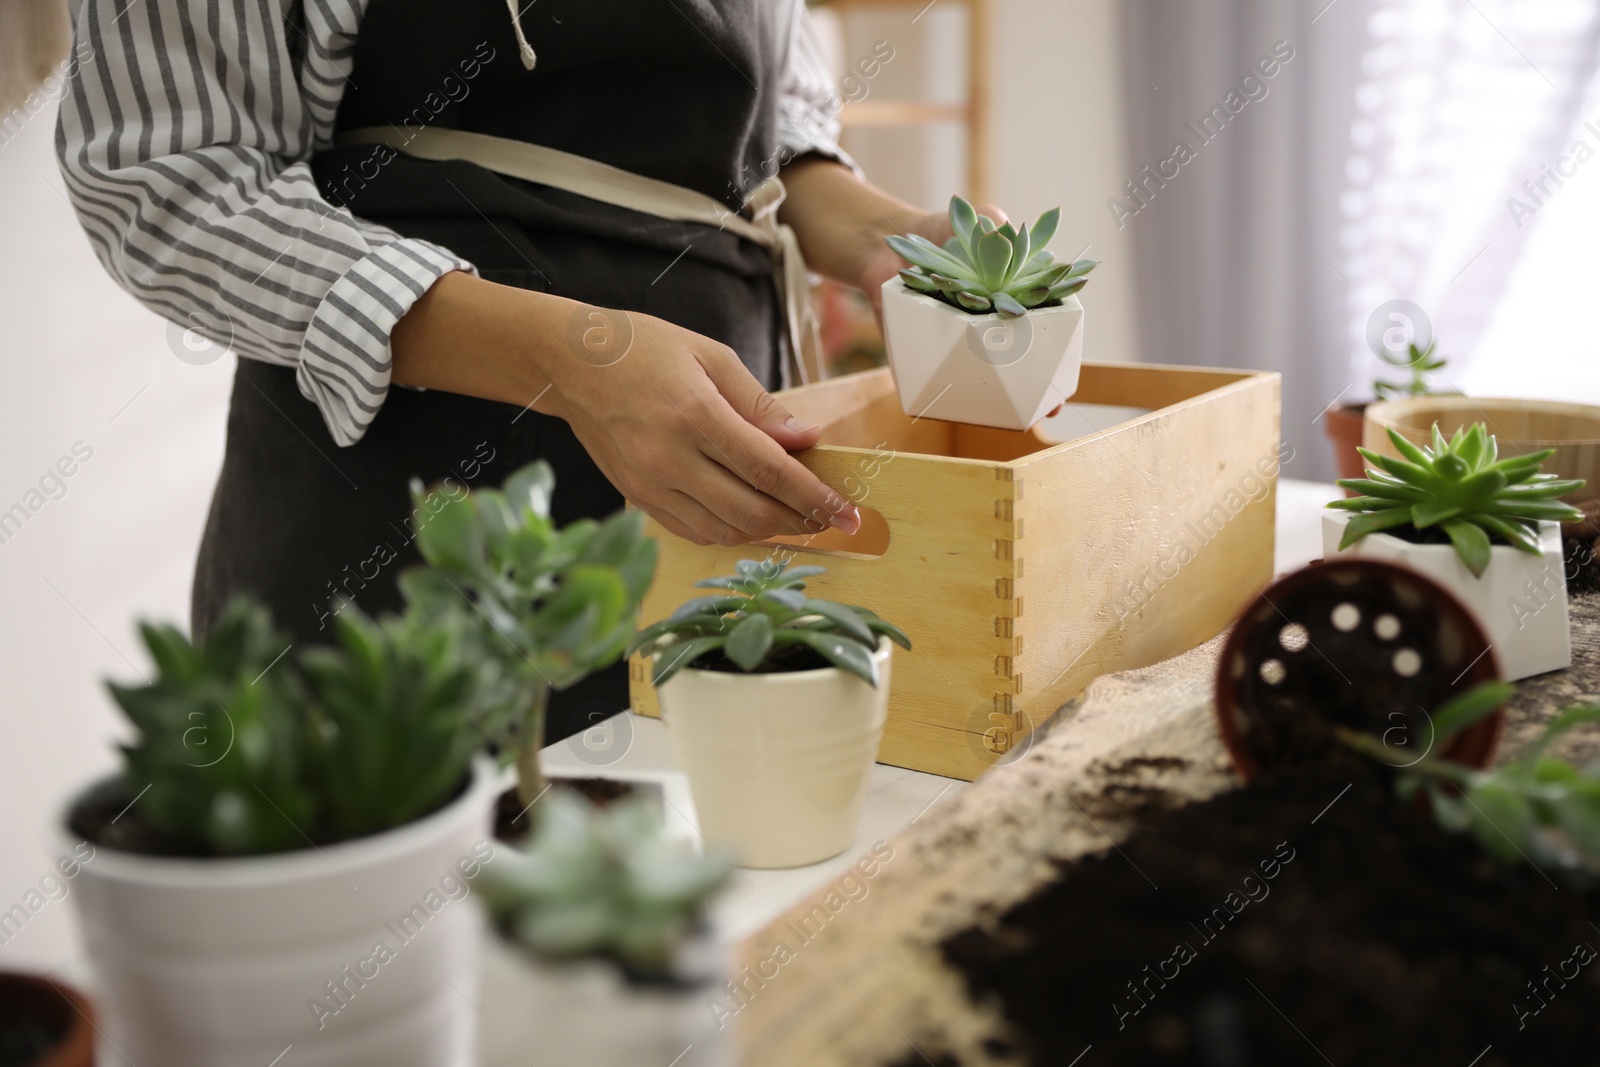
{"x": 991, "y": 370}
{"x": 1521, "y": 600}
{"x": 585, "y": 1014}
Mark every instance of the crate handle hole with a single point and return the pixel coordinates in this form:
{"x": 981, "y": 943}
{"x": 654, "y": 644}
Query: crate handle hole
{"x": 869, "y": 542}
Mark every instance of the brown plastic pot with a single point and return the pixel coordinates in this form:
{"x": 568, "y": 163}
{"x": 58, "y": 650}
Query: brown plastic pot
{"x": 62, "y": 1009}
{"x": 1363, "y": 644}
{"x": 1344, "y": 426}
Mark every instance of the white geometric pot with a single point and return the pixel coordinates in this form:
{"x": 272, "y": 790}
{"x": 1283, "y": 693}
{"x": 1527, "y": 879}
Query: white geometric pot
{"x": 1521, "y": 600}
{"x": 777, "y": 763}
{"x": 586, "y": 1013}
{"x": 224, "y": 962}
{"x": 990, "y": 370}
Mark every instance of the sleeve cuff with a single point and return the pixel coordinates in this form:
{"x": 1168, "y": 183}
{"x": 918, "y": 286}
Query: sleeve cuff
{"x": 801, "y": 134}
{"x": 345, "y": 361}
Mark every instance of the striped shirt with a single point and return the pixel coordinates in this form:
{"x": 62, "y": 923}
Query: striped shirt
{"x": 185, "y": 142}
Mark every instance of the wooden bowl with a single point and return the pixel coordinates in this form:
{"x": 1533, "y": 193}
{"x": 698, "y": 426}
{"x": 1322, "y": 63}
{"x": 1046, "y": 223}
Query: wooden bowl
{"x": 1520, "y": 426}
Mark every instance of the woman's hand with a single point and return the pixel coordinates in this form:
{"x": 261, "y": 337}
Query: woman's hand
{"x": 688, "y": 434}
{"x": 672, "y": 418}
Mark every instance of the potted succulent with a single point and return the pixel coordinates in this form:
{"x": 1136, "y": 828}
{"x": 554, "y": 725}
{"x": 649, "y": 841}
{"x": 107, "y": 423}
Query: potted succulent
{"x": 986, "y": 325}
{"x": 281, "y": 858}
{"x": 1345, "y": 424}
{"x": 599, "y": 948}
{"x": 774, "y": 703}
{"x": 1485, "y": 528}
{"x": 541, "y": 608}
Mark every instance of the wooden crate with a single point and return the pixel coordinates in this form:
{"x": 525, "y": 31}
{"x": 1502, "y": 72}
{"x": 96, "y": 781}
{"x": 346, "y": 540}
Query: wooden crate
{"x": 1021, "y": 567}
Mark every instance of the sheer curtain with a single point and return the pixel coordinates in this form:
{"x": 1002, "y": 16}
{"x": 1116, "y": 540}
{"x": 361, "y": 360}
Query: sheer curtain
{"x": 1462, "y": 151}
{"x": 1380, "y": 163}
{"x": 1238, "y": 255}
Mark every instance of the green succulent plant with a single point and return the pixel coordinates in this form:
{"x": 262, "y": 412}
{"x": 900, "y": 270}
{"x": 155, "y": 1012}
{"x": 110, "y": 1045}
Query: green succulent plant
{"x": 1462, "y": 487}
{"x": 1536, "y": 809}
{"x": 248, "y": 749}
{"x": 543, "y": 608}
{"x": 986, "y": 268}
{"x": 762, "y": 611}
{"x": 393, "y": 732}
{"x": 219, "y": 762}
{"x": 602, "y": 882}
{"x": 1421, "y": 362}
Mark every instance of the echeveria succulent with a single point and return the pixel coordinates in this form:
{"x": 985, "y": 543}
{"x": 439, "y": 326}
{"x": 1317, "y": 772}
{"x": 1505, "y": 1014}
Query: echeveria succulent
{"x": 1462, "y": 487}
{"x": 762, "y": 611}
{"x": 986, "y": 267}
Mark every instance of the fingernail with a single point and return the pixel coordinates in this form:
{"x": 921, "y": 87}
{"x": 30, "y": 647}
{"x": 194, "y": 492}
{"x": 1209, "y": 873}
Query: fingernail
{"x": 847, "y": 519}
{"x": 794, "y": 425}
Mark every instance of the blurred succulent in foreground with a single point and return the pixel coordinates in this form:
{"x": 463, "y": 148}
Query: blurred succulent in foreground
{"x": 1536, "y": 809}
{"x": 603, "y": 882}
{"x": 986, "y": 268}
{"x": 542, "y": 608}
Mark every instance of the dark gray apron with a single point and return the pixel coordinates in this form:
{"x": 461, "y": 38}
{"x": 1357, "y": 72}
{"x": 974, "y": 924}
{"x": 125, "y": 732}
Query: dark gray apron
{"x": 679, "y": 90}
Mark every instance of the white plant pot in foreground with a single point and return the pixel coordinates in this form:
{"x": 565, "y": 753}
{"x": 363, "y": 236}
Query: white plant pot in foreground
{"x": 221, "y": 962}
{"x": 585, "y": 1014}
{"x": 1521, "y": 600}
{"x": 777, "y": 763}
{"x": 991, "y": 370}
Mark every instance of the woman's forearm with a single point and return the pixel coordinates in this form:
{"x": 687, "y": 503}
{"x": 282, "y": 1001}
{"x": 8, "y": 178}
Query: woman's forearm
{"x": 840, "y": 218}
{"x": 466, "y": 335}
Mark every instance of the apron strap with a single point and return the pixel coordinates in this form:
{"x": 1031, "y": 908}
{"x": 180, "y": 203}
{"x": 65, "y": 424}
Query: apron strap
{"x": 620, "y": 188}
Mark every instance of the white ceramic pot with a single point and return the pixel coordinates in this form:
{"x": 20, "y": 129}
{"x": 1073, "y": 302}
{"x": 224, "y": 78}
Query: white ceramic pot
{"x": 585, "y": 1014}
{"x": 991, "y": 370}
{"x": 1521, "y": 600}
{"x": 777, "y": 763}
{"x": 224, "y": 962}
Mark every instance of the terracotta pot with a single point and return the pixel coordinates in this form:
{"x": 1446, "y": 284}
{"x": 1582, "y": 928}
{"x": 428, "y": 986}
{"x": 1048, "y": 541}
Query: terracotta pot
{"x": 777, "y": 763}
{"x": 60, "y": 1008}
{"x": 1365, "y": 644}
{"x": 1344, "y": 426}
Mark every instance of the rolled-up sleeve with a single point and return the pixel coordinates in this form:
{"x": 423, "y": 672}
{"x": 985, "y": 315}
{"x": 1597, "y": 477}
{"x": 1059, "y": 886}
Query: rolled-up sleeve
{"x": 184, "y": 144}
{"x": 808, "y": 102}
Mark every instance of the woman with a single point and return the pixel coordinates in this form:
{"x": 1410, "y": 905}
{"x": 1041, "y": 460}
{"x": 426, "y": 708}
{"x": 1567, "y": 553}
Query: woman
{"x": 228, "y": 161}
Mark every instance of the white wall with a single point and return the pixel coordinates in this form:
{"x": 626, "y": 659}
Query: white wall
{"x": 1056, "y": 106}
{"x": 121, "y": 540}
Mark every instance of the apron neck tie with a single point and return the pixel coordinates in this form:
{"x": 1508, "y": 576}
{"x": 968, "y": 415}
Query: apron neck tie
{"x": 523, "y": 47}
